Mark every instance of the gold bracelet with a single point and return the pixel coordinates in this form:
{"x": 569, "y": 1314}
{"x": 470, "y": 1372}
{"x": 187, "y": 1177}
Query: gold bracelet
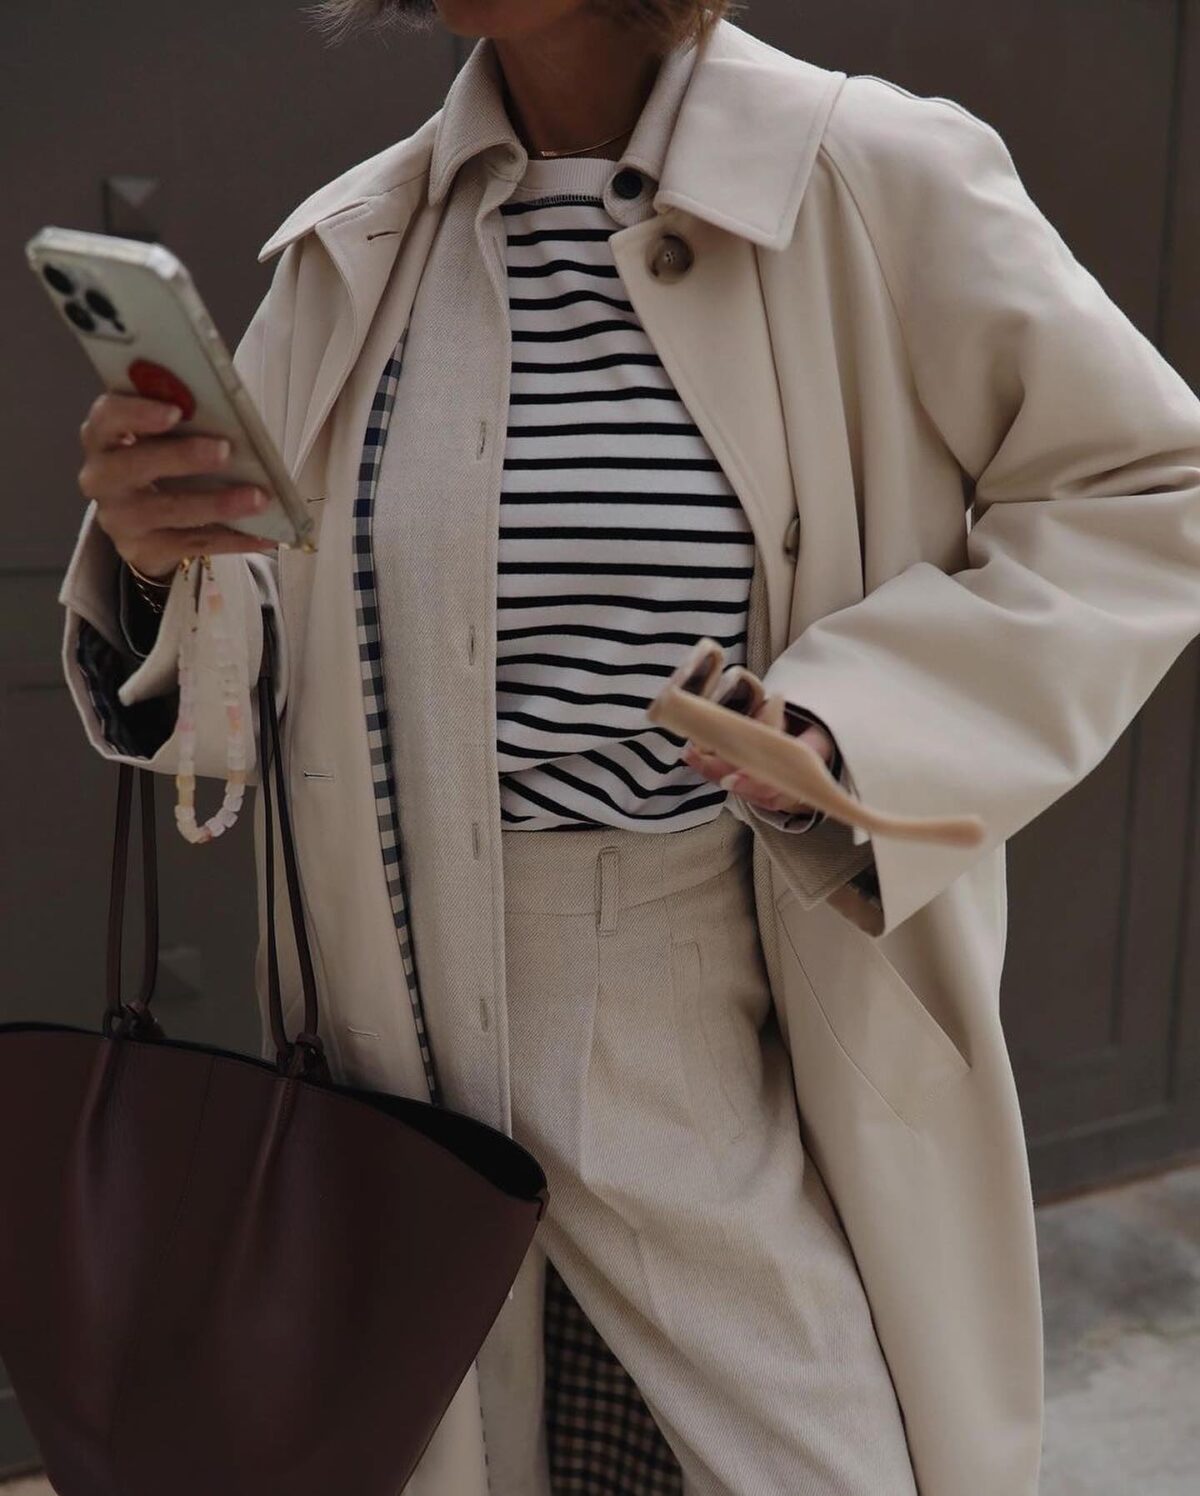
{"x": 155, "y": 601}
{"x": 150, "y": 581}
{"x": 153, "y": 593}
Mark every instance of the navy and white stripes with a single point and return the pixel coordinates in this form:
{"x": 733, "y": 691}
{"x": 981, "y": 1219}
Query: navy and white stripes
{"x": 621, "y": 540}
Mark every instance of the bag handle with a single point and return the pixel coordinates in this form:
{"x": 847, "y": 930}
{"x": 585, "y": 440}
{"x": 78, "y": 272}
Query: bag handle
{"x": 304, "y": 1055}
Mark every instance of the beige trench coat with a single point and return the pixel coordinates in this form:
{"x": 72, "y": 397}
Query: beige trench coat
{"x": 997, "y": 479}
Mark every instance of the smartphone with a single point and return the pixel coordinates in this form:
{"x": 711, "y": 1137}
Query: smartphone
{"x": 135, "y": 311}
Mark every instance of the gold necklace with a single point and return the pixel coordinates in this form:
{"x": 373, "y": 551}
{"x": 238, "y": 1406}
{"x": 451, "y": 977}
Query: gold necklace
{"x": 581, "y": 150}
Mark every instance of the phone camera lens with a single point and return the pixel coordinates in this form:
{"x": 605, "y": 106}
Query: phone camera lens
{"x": 80, "y": 317}
{"x": 62, "y": 283}
{"x": 101, "y": 305}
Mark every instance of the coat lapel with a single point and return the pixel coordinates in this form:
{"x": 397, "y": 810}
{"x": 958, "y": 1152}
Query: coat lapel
{"x": 362, "y": 258}
{"x": 361, "y": 221}
{"x": 733, "y": 399}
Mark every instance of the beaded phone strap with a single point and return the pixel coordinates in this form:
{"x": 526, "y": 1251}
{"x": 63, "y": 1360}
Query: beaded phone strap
{"x": 208, "y": 595}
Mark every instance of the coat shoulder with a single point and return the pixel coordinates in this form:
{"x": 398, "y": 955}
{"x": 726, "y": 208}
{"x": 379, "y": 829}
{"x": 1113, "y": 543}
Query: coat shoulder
{"x": 378, "y": 175}
{"x": 880, "y": 131}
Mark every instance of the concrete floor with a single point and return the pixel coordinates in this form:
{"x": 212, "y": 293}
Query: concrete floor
{"x": 1121, "y": 1297}
{"x": 1121, "y": 1300}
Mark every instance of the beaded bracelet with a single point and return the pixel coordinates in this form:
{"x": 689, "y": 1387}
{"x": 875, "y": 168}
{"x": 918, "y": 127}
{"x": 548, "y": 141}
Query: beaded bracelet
{"x": 213, "y": 601}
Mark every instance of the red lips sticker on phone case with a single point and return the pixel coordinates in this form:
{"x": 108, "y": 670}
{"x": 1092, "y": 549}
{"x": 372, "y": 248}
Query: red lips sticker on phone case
{"x": 157, "y": 383}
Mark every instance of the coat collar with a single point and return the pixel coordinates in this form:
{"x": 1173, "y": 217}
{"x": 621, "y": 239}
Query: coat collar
{"x": 730, "y": 133}
{"x": 474, "y": 119}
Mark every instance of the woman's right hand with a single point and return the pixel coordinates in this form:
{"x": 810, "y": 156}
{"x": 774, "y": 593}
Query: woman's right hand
{"x": 129, "y": 461}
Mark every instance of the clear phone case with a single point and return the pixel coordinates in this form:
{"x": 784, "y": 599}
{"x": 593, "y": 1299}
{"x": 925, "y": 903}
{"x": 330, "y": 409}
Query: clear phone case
{"x": 139, "y": 319}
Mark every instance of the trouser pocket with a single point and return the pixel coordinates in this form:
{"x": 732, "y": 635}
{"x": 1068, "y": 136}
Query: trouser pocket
{"x": 718, "y": 1049}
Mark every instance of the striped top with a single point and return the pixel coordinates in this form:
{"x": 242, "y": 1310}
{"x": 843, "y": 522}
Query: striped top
{"x": 621, "y": 540}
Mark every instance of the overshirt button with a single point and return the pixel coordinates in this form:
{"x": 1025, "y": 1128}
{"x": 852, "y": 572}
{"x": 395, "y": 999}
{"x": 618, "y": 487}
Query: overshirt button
{"x": 627, "y": 183}
{"x": 791, "y": 537}
{"x": 670, "y": 258}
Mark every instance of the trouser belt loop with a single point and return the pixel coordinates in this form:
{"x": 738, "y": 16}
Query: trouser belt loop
{"x": 606, "y": 890}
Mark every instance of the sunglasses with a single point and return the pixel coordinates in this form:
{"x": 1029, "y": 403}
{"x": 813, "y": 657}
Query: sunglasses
{"x": 728, "y": 712}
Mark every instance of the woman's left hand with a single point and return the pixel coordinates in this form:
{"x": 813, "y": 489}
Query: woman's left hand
{"x": 745, "y": 786}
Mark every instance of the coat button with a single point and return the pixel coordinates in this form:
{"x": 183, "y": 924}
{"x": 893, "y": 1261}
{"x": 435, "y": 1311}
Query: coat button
{"x": 627, "y": 183}
{"x": 670, "y": 258}
{"x": 791, "y": 537}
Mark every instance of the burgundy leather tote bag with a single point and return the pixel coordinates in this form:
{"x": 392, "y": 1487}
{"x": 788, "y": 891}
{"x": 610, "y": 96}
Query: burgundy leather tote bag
{"x": 225, "y": 1277}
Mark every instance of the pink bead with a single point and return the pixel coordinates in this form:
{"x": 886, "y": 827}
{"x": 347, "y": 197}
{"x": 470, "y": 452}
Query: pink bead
{"x": 232, "y": 690}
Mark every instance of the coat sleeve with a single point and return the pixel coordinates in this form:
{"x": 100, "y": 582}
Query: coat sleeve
{"x": 999, "y": 687}
{"x": 129, "y": 705}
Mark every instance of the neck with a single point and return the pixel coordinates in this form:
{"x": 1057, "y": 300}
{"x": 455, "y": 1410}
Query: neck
{"x": 576, "y": 82}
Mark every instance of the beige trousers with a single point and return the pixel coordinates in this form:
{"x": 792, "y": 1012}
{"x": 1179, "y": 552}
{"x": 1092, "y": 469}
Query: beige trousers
{"x": 650, "y": 1079}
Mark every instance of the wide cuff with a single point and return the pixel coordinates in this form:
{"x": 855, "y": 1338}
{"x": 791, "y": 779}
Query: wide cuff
{"x": 95, "y": 658}
{"x": 138, "y": 730}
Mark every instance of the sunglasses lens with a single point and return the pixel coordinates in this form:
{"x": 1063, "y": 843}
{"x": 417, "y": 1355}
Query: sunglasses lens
{"x": 737, "y": 696}
{"x": 696, "y": 681}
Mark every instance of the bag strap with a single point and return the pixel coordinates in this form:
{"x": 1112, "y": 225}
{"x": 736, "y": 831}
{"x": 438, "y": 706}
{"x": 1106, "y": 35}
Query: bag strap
{"x": 116, "y": 905}
{"x": 304, "y": 1055}
{"x": 306, "y": 1049}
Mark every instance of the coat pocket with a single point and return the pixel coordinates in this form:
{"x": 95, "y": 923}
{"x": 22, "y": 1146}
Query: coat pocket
{"x": 875, "y": 1017}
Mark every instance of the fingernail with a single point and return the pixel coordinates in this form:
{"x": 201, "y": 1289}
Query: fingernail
{"x": 172, "y": 414}
{"x": 258, "y": 499}
{"x": 730, "y": 782}
{"x": 222, "y": 450}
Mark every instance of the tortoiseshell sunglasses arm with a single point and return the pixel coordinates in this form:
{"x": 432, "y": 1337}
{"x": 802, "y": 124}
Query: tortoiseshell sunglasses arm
{"x": 685, "y": 707}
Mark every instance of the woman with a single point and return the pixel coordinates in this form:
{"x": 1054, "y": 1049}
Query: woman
{"x": 785, "y": 358}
